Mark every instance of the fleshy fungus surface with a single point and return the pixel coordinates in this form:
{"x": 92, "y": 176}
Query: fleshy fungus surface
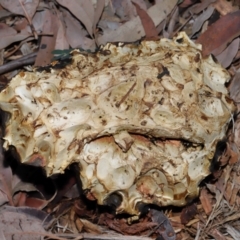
{"x": 142, "y": 120}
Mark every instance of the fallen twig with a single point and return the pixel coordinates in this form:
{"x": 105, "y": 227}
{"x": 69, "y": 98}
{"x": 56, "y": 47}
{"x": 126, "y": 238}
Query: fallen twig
{"x": 20, "y": 62}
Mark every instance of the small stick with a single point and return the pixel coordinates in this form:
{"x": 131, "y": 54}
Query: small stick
{"x": 20, "y": 62}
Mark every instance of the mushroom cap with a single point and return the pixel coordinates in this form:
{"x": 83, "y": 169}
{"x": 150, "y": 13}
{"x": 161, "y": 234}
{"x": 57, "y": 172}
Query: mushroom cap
{"x": 142, "y": 120}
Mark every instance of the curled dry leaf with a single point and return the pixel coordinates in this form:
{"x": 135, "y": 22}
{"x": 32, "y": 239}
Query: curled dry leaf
{"x": 215, "y": 39}
{"x": 199, "y": 21}
{"x": 21, "y": 7}
{"x": 22, "y": 223}
{"x": 226, "y": 57}
{"x": 197, "y": 8}
{"x": 188, "y": 213}
{"x": 5, "y": 181}
{"x": 165, "y": 228}
{"x": 233, "y": 232}
{"x": 148, "y": 24}
{"x": 83, "y": 10}
{"x": 133, "y": 30}
{"x": 47, "y": 45}
{"x": 217, "y": 235}
{"x": 75, "y": 32}
{"x": 91, "y": 227}
{"x": 124, "y": 9}
{"x": 224, "y": 7}
{"x": 232, "y": 189}
{"x": 206, "y": 201}
{"x": 9, "y": 35}
{"x": 186, "y": 3}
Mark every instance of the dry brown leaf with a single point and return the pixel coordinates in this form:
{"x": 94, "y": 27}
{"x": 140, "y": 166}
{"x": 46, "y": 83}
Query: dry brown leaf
{"x": 233, "y": 232}
{"x": 187, "y": 3}
{"x": 4, "y": 13}
{"x": 98, "y": 12}
{"x": 83, "y": 10}
{"x": 142, "y": 4}
{"x": 38, "y": 21}
{"x": 61, "y": 40}
{"x": 47, "y": 45}
{"x": 237, "y": 128}
{"x": 165, "y": 228}
{"x": 75, "y": 33}
{"x": 224, "y": 7}
{"x": 124, "y": 9}
{"x": 226, "y": 57}
{"x": 225, "y": 157}
{"x": 234, "y": 196}
{"x": 9, "y": 35}
{"x": 234, "y": 88}
{"x": 171, "y": 28}
{"x": 148, "y": 24}
{"x": 90, "y": 227}
{"x": 188, "y": 213}
{"x": 205, "y": 201}
{"x": 197, "y": 8}
{"x": 20, "y": 7}
{"x": 20, "y": 225}
{"x": 79, "y": 225}
{"x": 132, "y": 30}
{"x": 217, "y": 235}
{"x": 199, "y": 21}
{"x": 5, "y": 181}
{"x": 215, "y": 39}
{"x": 20, "y": 25}
{"x": 22, "y": 199}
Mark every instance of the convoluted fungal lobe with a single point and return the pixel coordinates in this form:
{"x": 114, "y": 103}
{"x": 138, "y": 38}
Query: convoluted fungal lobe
{"x": 142, "y": 120}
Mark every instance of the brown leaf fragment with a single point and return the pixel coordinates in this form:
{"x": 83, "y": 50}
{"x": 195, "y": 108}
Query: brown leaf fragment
{"x": 133, "y": 30}
{"x": 233, "y": 195}
{"x": 217, "y": 235}
{"x": 233, "y": 189}
{"x": 226, "y": 57}
{"x": 234, "y": 88}
{"x": 233, "y": 232}
{"x": 98, "y": 13}
{"x": 197, "y": 8}
{"x": 199, "y": 21}
{"x": 188, "y": 213}
{"x": 47, "y": 45}
{"x": 91, "y": 227}
{"x": 75, "y": 33}
{"x": 228, "y": 191}
{"x": 187, "y": 3}
{"x": 148, "y": 24}
{"x": 224, "y": 7}
{"x": 234, "y": 157}
{"x": 83, "y": 10}
{"x": 237, "y": 129}
{"x": 20, "y": 7}
{"x": 20, "y": 225}
{"x": 136, "y": 228}
{"x": 165, "y": 228}
{"x": 79, "y": 224}
{"x": 226, "y": 155}
{"x": 9, "y": 35}
{"x": 124, "y": 9}
{"x": 5, "y": 181}
{"x": 215, "y": 39}
{"x": 206, "y": 201}
{"x": 61, "y": 39}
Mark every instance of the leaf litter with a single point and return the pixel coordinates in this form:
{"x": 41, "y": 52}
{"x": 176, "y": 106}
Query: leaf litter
{"x": 31, "y": 30}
